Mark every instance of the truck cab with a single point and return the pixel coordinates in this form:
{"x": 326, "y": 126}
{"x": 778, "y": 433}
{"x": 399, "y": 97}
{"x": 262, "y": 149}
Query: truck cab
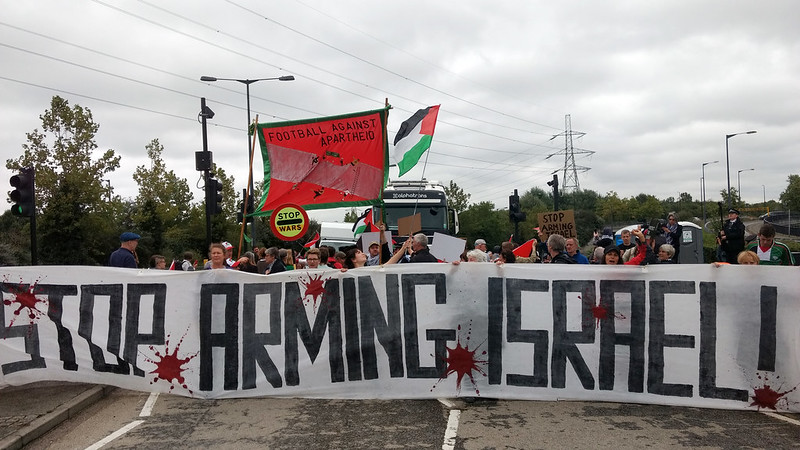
{"x": 427, "y": 198}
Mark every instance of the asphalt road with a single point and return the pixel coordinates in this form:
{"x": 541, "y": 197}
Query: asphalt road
{"x": 177, "y": 422}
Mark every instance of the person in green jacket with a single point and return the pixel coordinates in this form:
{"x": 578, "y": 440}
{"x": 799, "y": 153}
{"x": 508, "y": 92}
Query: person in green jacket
{"x": 770, "y": 252}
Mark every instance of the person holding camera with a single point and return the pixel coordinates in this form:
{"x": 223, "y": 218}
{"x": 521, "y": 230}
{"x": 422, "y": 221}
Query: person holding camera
{"x": 672, "y": 232}
{"x": 731, "y": 237}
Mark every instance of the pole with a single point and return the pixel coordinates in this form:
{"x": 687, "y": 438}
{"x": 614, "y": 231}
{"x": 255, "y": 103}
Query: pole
{"x": 250, "y": 160}
{"x": 728, "y": 164}
{"x": 205, "y": 171}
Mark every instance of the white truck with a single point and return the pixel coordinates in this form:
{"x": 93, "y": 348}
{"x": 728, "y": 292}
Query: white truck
{"x": 427, "y": 198}
{"x": 336, "y": 234}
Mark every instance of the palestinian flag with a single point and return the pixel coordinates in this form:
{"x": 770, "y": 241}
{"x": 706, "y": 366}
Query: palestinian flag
{"x": 414, "y": 137}
{"x": 313, "y": 242}
{"x": 364, "y": 223}
{"x": 525, "y": 250}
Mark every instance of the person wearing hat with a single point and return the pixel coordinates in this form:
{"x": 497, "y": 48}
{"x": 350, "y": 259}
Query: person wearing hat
{"x": 731, "y": 237}
{"x": 480, "y": 244}
{"x": 374, "y": 257}
{"x": 125, "y": 255}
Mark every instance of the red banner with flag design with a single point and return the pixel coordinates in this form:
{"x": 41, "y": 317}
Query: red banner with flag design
{"x": 327, "y": 162}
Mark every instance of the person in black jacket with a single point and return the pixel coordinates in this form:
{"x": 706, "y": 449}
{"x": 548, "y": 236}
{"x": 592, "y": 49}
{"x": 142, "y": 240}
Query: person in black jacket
{"x": 732, "y": 236}
{"x": 418, "y": 244}
{"x": 673, "y": 231}
{"x": 556, "y": 245}
{"x": 274, "y": 263}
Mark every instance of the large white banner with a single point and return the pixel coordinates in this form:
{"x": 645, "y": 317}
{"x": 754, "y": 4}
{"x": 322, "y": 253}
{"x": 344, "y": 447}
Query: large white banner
{"x": 696, "y": 335}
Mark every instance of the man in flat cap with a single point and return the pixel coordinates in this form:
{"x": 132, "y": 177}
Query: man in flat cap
{"x": 125, "y": 255}
{"x": 731, "y": 237}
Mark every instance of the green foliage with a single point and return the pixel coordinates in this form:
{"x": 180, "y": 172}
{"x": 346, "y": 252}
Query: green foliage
{"x": 73, "y": 214}
{"x": 457, "y": 198}
{"x": 481, "y": 220}
{"x": 790, "y": 197}
{"x": 351, "y": 216}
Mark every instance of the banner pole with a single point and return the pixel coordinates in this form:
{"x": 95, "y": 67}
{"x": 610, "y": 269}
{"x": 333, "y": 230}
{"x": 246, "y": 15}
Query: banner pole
{"x": 246, "y": 198}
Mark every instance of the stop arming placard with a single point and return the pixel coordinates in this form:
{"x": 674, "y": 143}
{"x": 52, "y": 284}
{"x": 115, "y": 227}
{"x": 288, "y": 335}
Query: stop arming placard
{"x": 289, "y": 222}
{"x": 557, "y": 222}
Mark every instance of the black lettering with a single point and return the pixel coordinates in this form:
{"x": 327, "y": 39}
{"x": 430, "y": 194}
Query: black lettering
{"x": 385, "y": 328}
{"x": 515, "y": 333}
{"x": 609, "y": 338}
{"x": 228, "y": 339}
{"x": 55, "y": 298}
{"x": 133, "y": 339}
{"x": 564, "y": 342}
{"x": 351, "y": 333}
{"x": 768, "y": 335}
{"x": 495, "y": 338}
{"x": 86, "y": 325}
{"x": 708, "y": 348}
{"x": 297, "y": 325}
{"x": 659, "y": 339}
{"x": 409, "y": 283}
{"x": 254, "y": 344}
{"x": 29, "y": 332}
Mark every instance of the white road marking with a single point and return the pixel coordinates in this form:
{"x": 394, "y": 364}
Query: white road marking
{"x": 149, "y": 404}
{"x": 781, "y": 417}
{"x": 99, "y": 444}
{"x": 447, "y": 403}
{"x": 452, "y": 430}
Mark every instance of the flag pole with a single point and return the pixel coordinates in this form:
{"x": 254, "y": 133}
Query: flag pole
{"x": 247, "y": 192}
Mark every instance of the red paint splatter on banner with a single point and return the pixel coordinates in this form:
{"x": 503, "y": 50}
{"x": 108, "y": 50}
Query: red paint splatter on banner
{"x": 169, "y": 367}
{"x": 766, "y": 396}
{"x": 600, "y": 310}
{"x": 463, "y": 362}
{"x": 24, "y": 298}
{"x": 314, "y": 288}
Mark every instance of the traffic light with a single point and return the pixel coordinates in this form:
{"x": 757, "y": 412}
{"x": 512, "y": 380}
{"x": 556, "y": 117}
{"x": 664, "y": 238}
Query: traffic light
{"x": 214, "y": 196}
{"x": 554, "y": 184}
{"x": 514, "y": 212}
{"x": 24, "y": 193}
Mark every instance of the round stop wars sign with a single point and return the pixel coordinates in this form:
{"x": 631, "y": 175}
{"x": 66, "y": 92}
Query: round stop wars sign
{"x": 289, "y": 222}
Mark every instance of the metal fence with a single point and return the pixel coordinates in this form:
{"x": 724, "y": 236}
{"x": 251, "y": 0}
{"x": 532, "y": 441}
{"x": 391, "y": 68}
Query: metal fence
{"x": 785, "y": 222}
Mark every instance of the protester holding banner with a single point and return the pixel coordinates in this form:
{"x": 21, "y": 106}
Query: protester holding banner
{"x": 418, "y": 244}
{"x": 769, "y": 251}
{"x": 313, "y": 258}
{"x": 354, "y": 258}
{"x": 216, "y": 257}
{"x": 556, "y": 245}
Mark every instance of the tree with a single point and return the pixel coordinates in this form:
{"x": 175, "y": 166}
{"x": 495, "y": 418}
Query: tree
{"x": 790, "y": 197}
{"x": 613, "y": 209}
{"x": 456, "y": 197}
{"x": 351, "y": 216}
{"x": 77, "y": 223}
{"x": 164, "y": 200}
{"x": 482, "y": 221}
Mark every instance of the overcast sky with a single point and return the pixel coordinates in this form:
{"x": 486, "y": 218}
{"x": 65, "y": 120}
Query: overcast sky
{"x": 654, "y": 85}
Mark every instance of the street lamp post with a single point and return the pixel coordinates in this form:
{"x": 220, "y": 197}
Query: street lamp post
{"x": 247, "y": 83}
{"x": 764, "y": 191}
{"x": 739, "y": 182}
{"x": 728, "y": 161}
{"x": 703, "y": 188}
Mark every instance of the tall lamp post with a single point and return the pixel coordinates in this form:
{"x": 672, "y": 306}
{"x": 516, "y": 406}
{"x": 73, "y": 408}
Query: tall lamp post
{"x": 247, "y": 83}
{"x": 728, "y": 161}
{"x": 764, "y": 191}
{"x": 703, "y": 188}
{"x": 739, "y": 181}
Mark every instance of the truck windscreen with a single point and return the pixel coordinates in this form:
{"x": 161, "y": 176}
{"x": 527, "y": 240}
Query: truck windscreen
{"x": 433, "y": 217}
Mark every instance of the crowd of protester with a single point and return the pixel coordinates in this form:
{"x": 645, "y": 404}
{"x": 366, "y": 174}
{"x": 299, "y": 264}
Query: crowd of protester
{"x": 640, "y": 246}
